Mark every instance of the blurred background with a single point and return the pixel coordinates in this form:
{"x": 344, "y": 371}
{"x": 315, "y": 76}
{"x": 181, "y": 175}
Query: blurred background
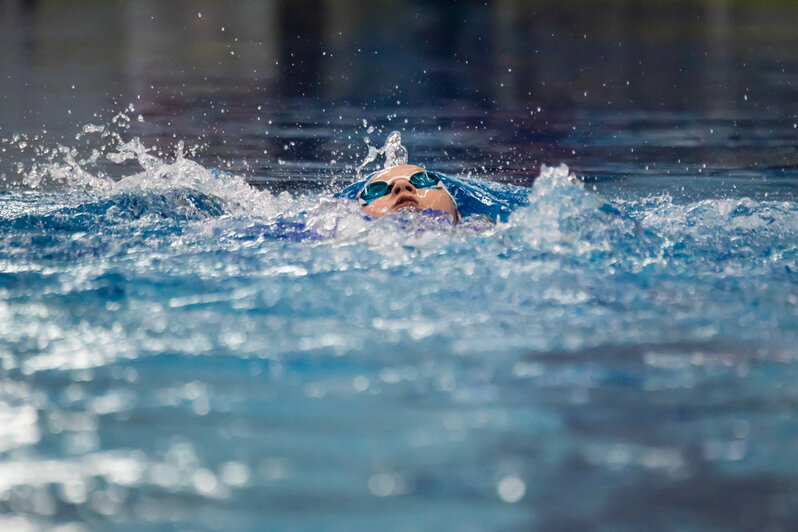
{"x": 289, "y": 89}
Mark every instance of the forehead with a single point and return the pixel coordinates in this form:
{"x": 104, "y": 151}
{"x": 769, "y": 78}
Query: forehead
{"x": 397, "y": 171}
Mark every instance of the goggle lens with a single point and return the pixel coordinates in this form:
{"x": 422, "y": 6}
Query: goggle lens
{"x": 378, "y": 189}
{"x": 375, "y": 190}
{"x": 424, "y": 179}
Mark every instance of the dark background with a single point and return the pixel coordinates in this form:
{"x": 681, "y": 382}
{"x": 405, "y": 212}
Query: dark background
{"x": 279, "y": 90}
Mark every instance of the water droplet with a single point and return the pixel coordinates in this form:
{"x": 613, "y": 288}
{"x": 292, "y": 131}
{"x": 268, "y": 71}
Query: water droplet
{"x": 204, "y": 481}
{"x": 360, "y": 383}
{"x": 235, "y": 473}
{"x": 385, "y": 484}
{"x": 511, "y": 489}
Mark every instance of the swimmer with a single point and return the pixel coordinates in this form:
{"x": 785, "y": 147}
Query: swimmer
{"x": 406, "y": 187}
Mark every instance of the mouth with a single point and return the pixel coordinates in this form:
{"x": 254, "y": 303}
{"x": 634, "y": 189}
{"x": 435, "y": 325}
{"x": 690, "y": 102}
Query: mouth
{"x": 406, "y": 202}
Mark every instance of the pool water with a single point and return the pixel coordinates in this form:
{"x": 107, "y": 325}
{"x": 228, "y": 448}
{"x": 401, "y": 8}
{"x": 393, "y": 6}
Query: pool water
{"x": 196, "y": 333}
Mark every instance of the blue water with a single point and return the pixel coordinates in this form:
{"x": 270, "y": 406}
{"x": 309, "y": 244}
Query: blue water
{"x": 182, "y": 350}
{"x": 199, "y": 329}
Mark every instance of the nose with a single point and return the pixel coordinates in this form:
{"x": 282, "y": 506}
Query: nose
{"x": 401, "y": 186}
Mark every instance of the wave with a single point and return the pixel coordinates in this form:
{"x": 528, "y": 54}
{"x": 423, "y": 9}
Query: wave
{"x": 557, "y": 213}
{"x": 559, "y": 216}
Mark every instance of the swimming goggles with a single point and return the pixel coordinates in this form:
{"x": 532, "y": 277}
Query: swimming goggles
{"x": 378, "y": 189}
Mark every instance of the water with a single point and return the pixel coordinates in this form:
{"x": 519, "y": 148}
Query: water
{"x": 182, "y": 350}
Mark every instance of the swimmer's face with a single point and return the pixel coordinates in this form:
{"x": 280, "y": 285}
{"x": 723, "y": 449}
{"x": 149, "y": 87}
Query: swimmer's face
{"x": 406, "y": 196}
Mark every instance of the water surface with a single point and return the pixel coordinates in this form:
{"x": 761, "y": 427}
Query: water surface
{"x": 182, "y": 350}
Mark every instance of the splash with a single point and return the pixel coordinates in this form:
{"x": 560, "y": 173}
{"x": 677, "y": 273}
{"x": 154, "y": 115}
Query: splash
{"x": 100, "y": 171}
{"x": 395, "y": 154}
